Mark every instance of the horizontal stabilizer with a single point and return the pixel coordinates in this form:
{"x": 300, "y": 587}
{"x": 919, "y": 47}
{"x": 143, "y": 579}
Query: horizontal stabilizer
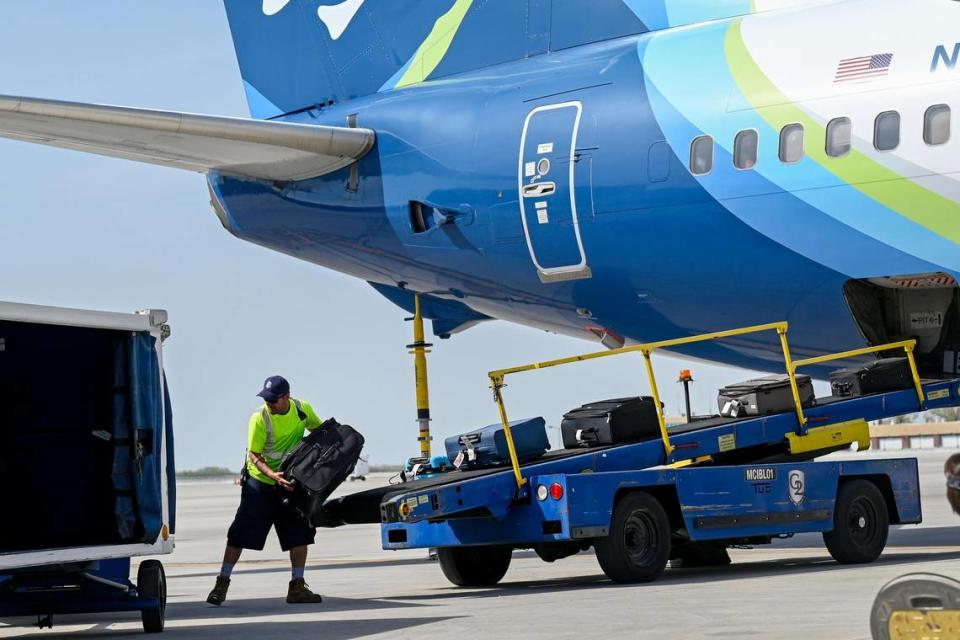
{"x": 232, "y": 146}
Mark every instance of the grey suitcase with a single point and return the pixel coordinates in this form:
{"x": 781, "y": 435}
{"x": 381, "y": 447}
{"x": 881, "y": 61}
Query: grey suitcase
{"x": 763, "y": 396}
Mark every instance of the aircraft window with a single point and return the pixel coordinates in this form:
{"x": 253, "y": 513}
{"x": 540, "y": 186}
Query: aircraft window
{"x": 936, "y": 125}
{"x": 701, "y": 155}
{"x": 886, "y": 131}
{"x": 839, "y": 136}
{"x": 791, "y": 143}
{"x": 745, "y": 149}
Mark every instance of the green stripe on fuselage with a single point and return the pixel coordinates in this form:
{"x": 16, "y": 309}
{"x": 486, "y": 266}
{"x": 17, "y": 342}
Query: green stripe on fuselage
{"x": 431, "y": 53}
{"x": 924, "y": 207}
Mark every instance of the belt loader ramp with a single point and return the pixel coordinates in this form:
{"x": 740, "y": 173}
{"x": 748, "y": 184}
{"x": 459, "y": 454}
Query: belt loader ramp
{"x": 689, "y": 494}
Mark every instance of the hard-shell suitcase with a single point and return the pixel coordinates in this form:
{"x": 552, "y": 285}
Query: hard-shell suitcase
{"x": 610, "y": 422}
{"x": 318, "y": 465}
{"x": 887, "y": 374}
{"x": 487, "y": 447}
{"x": 763, "y": 396}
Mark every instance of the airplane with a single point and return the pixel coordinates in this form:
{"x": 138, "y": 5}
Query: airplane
{"x": 618, "y": 170}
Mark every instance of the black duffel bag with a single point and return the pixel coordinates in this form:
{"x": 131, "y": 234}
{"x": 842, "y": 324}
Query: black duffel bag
{"x": 318, "y": 465}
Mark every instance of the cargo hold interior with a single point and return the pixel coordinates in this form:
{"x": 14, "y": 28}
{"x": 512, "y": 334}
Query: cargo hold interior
{"x": 925, "y": 308}
{"x": 68, "y": 463}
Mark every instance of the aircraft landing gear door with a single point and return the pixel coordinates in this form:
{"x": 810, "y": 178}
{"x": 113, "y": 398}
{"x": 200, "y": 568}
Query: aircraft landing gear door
{"x": 548, "y": 204}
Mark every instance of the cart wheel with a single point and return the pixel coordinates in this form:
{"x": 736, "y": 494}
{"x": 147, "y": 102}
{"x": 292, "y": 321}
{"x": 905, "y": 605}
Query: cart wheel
{"x": 475, "y": 566}
{"x": 860, "y": 524}
{"x": 638, "y": 546}
{"x": 152, "y": 583}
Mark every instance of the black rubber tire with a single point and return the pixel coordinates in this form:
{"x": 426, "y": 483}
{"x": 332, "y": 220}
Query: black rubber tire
{"x": 861, "y": 523}
{"x": 474, "y": 566}
{"x": 638, "y": 546}
{"x": 152, "y": 583}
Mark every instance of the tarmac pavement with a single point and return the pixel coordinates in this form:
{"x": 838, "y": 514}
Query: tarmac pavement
{"x": 792, "y": 589}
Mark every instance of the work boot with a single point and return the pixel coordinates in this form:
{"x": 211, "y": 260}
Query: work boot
{"x": 298, "y": 593}
{"x": 219, "y": 593}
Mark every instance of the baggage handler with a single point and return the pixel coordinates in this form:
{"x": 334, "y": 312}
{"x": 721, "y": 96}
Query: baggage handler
{"x": 273, "y": 431}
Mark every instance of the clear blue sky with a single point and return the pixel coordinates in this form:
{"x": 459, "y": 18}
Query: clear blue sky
{"x": 91, "y": 232}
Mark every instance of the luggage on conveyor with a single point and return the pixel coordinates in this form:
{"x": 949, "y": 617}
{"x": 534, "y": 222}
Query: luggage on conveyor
{"x": 763, "y": 396}
{"x": 487, "y": 447}
{"x": 610, "y": 422}
{"x": 887, "y": 374}
{"x": 318, "y": 465}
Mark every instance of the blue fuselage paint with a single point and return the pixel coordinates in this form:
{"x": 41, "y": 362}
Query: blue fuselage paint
{"x": 666, "y": 258}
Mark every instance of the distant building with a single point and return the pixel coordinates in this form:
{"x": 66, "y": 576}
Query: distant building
{"x": 934, "y": 435}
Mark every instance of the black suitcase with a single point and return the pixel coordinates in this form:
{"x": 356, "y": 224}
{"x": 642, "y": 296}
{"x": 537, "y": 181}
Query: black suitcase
{"x": 887, "y": 374}
{"x": 318, "y": 465}
{"x": 610, "y": 422}
{"x": 764, "y": 396}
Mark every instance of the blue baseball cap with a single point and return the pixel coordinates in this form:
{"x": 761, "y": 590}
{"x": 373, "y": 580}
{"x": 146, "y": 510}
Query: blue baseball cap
{"x": 274, "y": 388}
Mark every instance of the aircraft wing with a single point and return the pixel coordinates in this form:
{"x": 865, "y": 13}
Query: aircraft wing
{"x": 234, "y": 146}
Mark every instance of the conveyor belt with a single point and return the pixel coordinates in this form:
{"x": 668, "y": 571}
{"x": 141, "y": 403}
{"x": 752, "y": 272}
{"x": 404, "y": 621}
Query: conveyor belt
{"x": 364, "y": 507}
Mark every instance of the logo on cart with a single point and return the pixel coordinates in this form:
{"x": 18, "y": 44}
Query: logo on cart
{"x": 797, "y": 486}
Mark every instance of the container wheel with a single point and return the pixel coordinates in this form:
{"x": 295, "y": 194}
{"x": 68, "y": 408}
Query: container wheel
{"x": 638, "y": 546}
{"x": 860, "y": 523}
{"x": 474, "y": 566}
{"x": 152, "y": 583}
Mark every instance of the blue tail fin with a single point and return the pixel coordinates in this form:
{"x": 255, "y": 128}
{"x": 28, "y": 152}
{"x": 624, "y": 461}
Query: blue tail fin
{"x": 298, "y": 54}
{"x": 295, "y": 54}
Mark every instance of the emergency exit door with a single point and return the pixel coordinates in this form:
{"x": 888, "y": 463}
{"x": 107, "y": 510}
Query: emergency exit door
{"x": 548, "y": 202}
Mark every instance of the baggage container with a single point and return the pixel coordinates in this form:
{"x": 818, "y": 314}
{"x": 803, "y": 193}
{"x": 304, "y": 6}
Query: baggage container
{"x": 87, "y": 461}
{"x": 887, "y": 374}
{"x": 319, "y": 464}
{"x": 610, "y": 422}
{"x": 86, "y": 471}
{"x": 487, "y": 447}
{"x": 764, "y": 396}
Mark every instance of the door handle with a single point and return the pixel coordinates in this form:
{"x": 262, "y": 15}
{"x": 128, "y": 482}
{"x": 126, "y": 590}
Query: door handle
{"x": 539, "y": 190}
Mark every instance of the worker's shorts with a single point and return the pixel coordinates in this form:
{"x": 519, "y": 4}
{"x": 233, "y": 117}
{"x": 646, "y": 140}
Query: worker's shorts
{"x": 260, "y": 508}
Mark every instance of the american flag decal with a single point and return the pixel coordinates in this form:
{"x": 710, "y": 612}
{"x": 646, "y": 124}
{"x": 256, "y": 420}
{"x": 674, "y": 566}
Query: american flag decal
{"x": 863, "y": 68}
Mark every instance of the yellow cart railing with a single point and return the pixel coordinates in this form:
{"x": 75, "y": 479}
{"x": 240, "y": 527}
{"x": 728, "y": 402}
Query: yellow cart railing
{"x": 907, "y": 345}
{"x": 497, "y": 378}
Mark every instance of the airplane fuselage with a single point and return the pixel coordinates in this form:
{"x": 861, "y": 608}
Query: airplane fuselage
{"x": 560, "y": 191}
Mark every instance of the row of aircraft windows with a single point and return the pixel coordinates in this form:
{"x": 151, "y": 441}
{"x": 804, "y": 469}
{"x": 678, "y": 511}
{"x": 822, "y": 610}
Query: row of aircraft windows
{"x": 886, "y": 137}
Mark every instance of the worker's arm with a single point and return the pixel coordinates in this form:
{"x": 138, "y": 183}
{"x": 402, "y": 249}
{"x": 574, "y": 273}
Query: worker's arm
{"x": 256, "y": 441}
{"x": 258, "y": 461}
{"x": 312, "y": 421}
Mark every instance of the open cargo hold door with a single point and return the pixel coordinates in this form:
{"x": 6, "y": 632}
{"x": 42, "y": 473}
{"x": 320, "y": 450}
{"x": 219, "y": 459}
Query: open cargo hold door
{"x": 924, "y": 307}
{"x": 138, "y": 428}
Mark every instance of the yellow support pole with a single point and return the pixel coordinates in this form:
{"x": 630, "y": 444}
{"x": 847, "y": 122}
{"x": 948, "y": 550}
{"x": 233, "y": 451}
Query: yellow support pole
{"x": 420, "y": 349}
{"x": 792, "y": 373}
{"x": 496, "y": 383}
{"x": 667, "y": 447}
{"x": 916, "y": 374}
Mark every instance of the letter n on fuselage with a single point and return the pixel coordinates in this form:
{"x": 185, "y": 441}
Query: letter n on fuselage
{"x": 940, "y": 55}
